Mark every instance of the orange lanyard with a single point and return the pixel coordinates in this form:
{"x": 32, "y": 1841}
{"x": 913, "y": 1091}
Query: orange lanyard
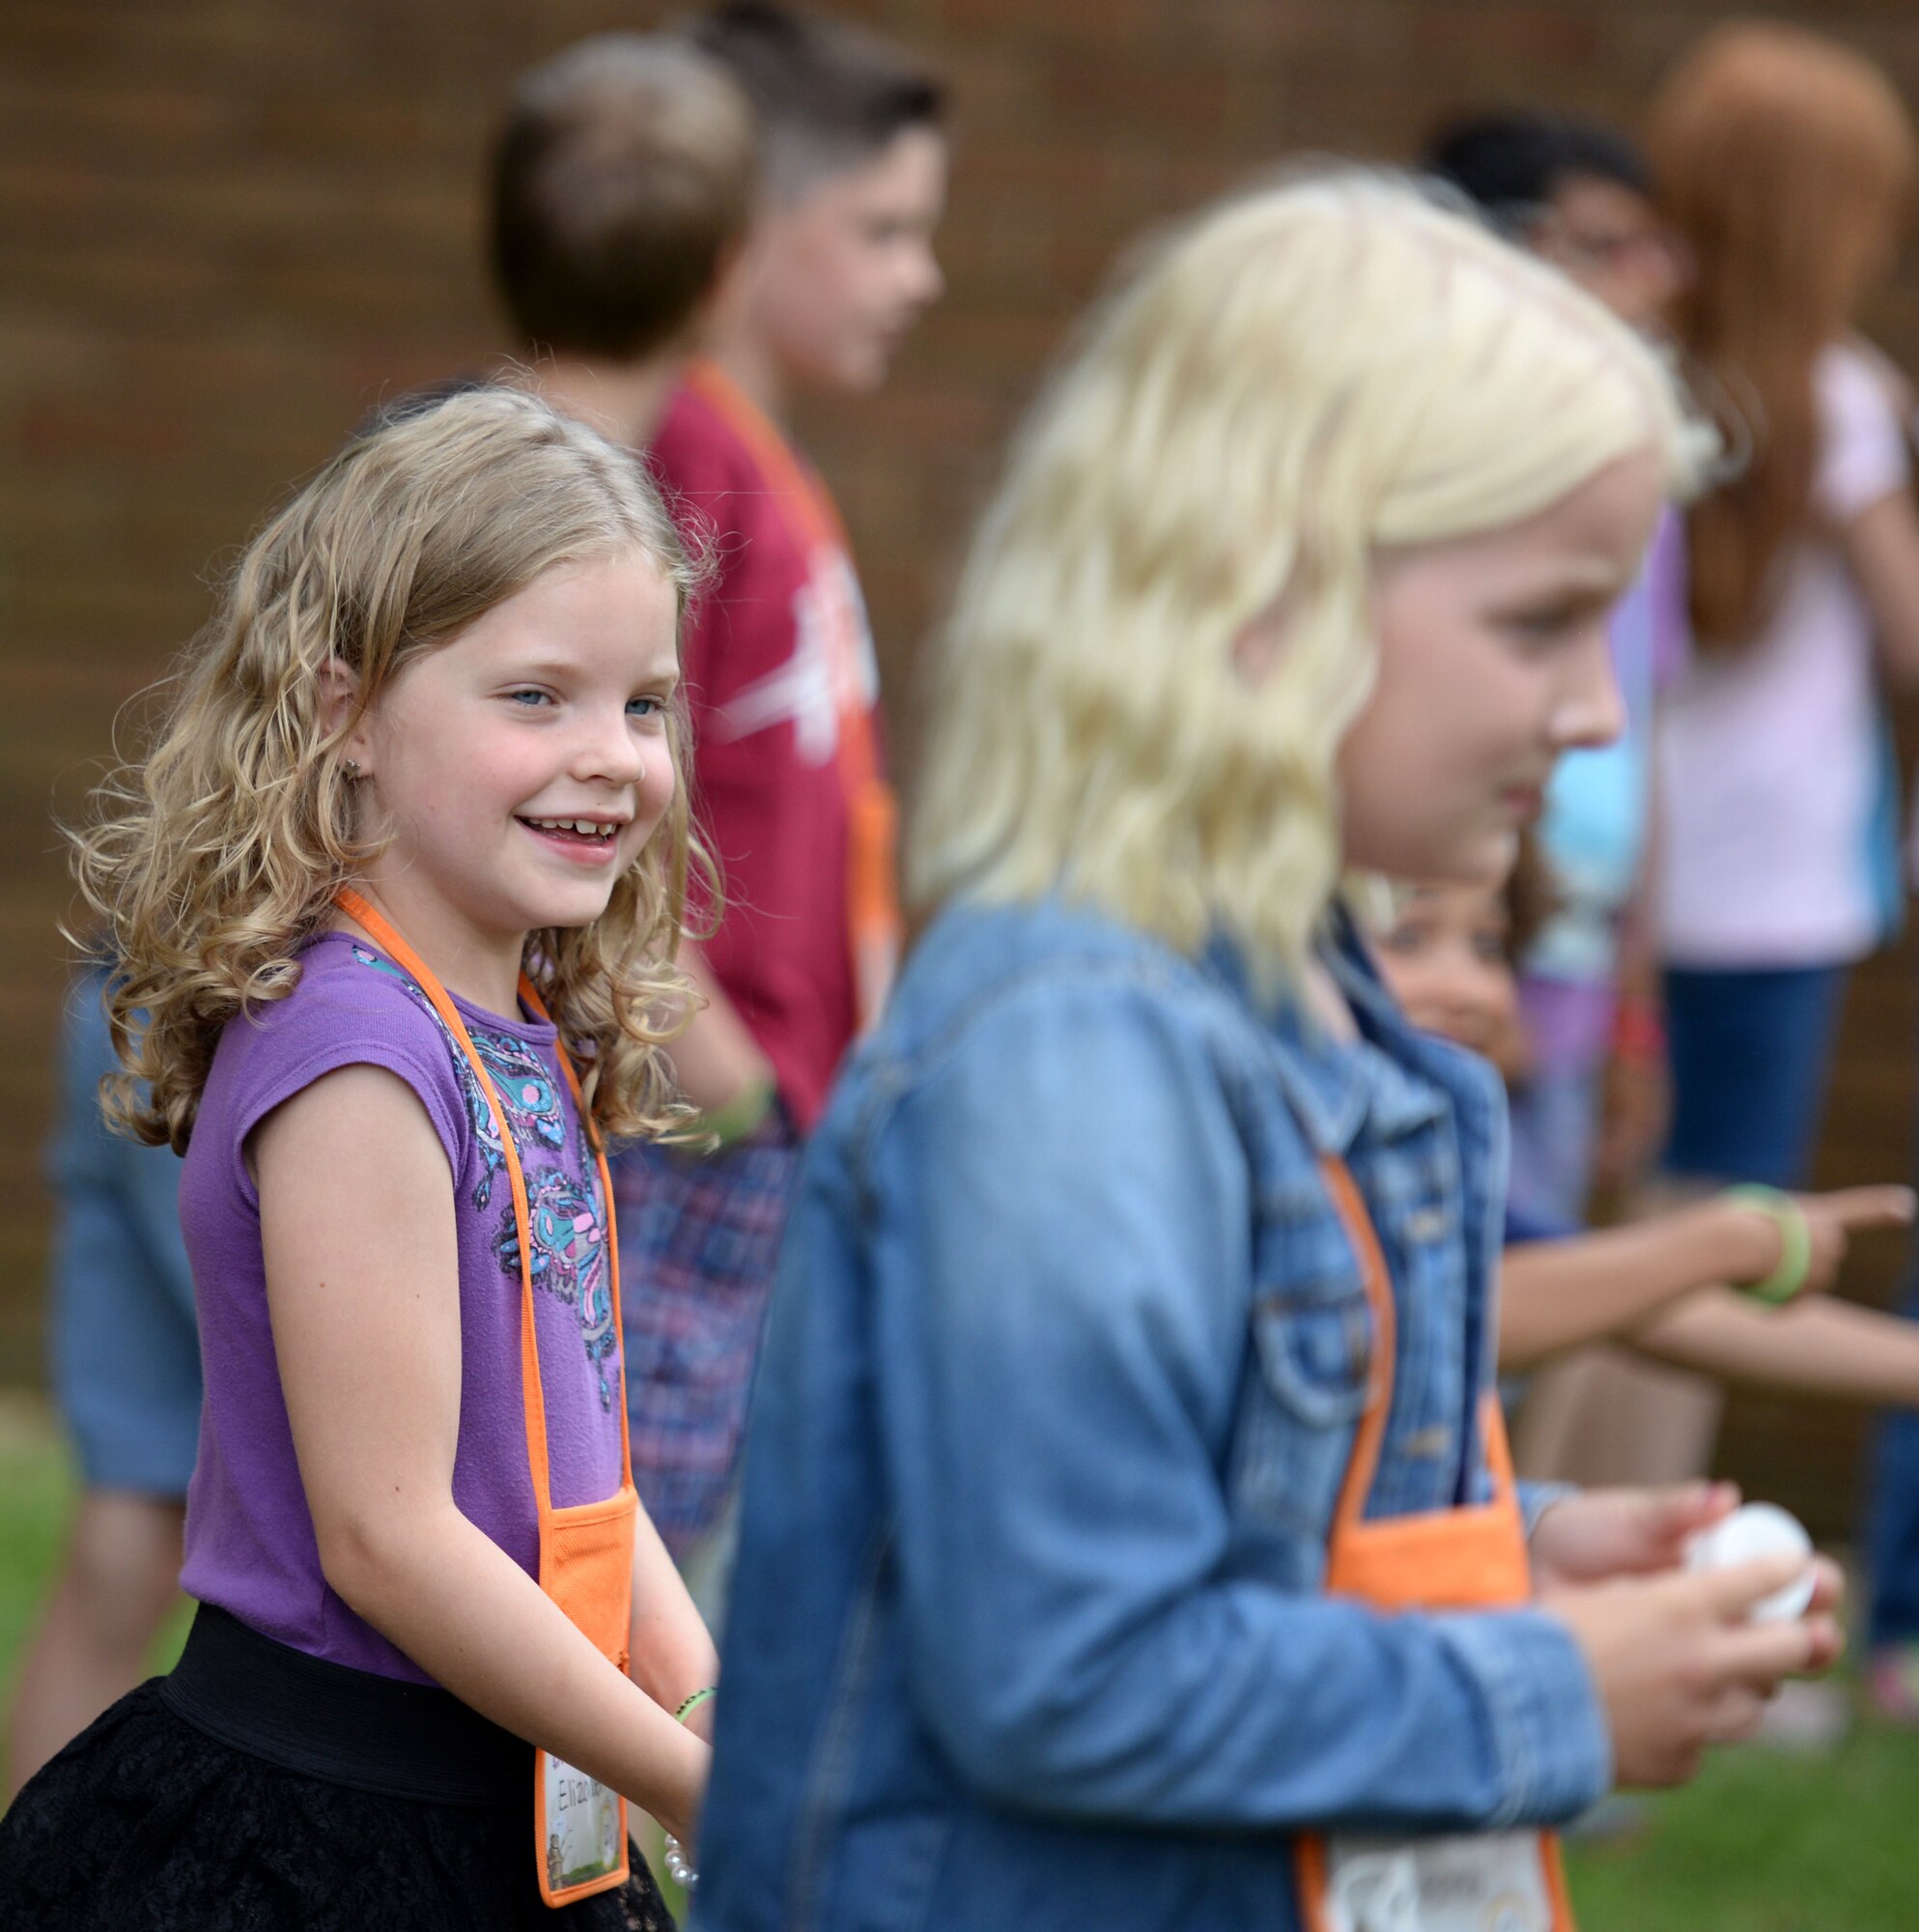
{"x": 532, "y": 1391}
{"x": 587, "y": 1549}
{"x": 1468, "y": 1556}
{"x": 1439, "y": 1559}
{"x": 872, "y": 893}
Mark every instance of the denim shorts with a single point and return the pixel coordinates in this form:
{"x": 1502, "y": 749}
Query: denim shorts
{"x": 126, "y": 1354}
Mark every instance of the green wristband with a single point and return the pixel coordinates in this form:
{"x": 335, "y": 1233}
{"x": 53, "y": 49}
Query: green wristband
{"x": 729, "y": 1125}
{"x": 1795, "y": 1243}
{"x": 694, "y": 1702}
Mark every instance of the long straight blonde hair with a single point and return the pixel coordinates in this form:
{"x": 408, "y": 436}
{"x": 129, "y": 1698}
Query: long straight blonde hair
{"x": 1300, "y": 376}
{"x": 211, "y": 862}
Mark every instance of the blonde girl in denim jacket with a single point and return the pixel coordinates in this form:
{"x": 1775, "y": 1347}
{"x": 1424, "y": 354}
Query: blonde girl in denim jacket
{"x": 1127, "y": 1538}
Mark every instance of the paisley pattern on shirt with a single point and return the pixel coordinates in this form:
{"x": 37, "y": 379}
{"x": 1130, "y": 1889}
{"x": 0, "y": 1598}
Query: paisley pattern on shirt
{"x": 568, "y": 1260}
{"x": 566, "y": 1213}
{"x": 527, "y": 1090}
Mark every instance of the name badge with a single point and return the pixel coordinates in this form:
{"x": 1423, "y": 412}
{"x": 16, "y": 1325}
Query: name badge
{"x": 583, "y": 1825}
{"x": 1490, "y": 1882}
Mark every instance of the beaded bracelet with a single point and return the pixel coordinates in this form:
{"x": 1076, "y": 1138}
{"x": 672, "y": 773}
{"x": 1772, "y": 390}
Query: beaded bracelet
{"x": 678, "y": 1869}
{"x": 1795, "y": 1243}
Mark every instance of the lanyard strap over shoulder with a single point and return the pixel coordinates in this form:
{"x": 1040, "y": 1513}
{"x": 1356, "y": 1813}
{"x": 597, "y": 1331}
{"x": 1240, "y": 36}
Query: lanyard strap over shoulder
{"x": 872, "y": 901}
{"x": 532, "y": 1391}
{"x": 1364, "y": 1463}
{"x": 1370, "y": 1441}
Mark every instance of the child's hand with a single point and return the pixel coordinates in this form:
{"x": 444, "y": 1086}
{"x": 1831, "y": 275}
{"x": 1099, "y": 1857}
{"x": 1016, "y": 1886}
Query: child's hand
{"x": 1831, "y": 1220}
{"x": 1602, "y": 1533}
{"x": 1635, "y": 1110}
{"x": 1677, "y": 1666}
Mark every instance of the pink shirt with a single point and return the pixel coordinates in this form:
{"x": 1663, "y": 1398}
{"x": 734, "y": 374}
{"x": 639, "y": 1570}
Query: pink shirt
{"x": 1778, "y": 845}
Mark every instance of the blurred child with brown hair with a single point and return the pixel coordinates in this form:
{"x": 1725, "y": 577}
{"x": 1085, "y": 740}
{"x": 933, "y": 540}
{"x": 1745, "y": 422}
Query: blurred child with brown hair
{"x": 783, "y": 688}
{"x": 619, "y": 194}
{"x": 1732, "y": 1286}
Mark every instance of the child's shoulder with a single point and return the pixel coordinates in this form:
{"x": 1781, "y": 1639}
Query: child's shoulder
{"x": 699, "y": 451}
{"x": 340, "y": 977}
{"x": 1046, "y": 994}
{"x": 350, "y": 1007}
{"x": 717, "y": 456}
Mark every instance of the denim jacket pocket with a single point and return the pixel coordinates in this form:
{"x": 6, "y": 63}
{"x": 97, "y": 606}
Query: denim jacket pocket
{"x": 1312, "y": 1346}
{"x": 1314, "y": 1341}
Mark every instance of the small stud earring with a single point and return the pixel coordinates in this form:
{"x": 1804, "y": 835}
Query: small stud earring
{"x": 352, "y": 768}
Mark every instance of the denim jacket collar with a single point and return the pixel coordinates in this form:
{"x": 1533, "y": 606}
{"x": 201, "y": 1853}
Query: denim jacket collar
{"x": 1416, "y": 1062}
{"x": 1334, "y": 1093}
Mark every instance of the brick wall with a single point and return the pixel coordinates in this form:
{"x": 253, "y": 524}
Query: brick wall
{"x": 229, "y": 226}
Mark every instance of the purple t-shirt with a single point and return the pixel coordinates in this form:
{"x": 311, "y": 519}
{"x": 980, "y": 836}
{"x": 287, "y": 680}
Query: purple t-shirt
{"x": 250, "y": 1545}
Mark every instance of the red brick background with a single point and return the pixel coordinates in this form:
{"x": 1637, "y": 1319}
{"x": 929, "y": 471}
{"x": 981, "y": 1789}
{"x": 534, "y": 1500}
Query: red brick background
{"x": 227, "y": 227}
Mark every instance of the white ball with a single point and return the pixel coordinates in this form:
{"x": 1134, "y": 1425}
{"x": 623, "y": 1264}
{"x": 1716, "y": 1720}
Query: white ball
{"x": 1752, "y": 1531}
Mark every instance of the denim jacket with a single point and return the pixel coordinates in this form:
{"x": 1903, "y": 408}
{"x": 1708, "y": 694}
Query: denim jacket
{"x": 1059, "y": 1382}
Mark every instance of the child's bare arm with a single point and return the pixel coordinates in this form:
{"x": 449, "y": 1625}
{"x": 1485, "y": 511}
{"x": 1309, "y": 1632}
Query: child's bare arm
{"x": 716, "y": 1060}
{"x": 673, "y": 1655}
{"x": 1590, "y": 1288}
{"x": 1822, "y": 1348}
{"x": 1557, "y": 1294}
{"x": 363, "y": 1271}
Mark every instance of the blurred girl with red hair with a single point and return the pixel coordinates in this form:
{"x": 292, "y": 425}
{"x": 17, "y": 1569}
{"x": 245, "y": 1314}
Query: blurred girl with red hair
{"x": 1788, "y": 163}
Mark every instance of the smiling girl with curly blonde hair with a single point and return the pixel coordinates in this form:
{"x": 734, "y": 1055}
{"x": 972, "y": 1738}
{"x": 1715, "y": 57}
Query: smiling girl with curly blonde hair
{"x": 395, "y": 895}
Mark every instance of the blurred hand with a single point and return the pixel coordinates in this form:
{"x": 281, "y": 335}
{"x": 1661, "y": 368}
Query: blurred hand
{"x": 1635, "y": 1110}
{"x": 1677, "y": 1666}
{"x": 1602, "y": 1533}
{"x": 1832, "y": 1219}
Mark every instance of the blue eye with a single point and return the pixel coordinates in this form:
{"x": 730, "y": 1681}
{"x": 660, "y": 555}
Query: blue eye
{"x": 528, "y": 699}
{"x": 645, "y": 707}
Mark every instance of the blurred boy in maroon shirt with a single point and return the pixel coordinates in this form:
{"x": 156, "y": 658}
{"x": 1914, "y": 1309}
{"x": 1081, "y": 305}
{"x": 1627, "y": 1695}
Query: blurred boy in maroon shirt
{"x": 782, "y": 688}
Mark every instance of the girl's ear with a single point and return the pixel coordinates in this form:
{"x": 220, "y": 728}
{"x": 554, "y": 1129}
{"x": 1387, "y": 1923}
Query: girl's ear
{"x": 339, "y": 694}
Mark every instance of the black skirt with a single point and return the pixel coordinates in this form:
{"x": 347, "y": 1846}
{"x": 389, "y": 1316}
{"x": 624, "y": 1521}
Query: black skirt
{"x": 259, "y": 1790}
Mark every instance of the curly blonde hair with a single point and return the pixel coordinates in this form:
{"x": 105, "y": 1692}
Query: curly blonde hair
{"x": 213, "y": 861}
{"x": 1301, "y": 377}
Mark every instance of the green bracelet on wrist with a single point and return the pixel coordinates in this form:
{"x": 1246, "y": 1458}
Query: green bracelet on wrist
{"x": 1795, "y": 1243}
{"x": 729, "y": 1125}
{"x": 694, "y": 1702}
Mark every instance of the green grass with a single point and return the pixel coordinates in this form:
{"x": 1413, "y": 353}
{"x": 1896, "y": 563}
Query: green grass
{"x": 1767, "y": 1841}
{"x": 1762, "y": 1842}
{"x": 36, "y": 1489}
